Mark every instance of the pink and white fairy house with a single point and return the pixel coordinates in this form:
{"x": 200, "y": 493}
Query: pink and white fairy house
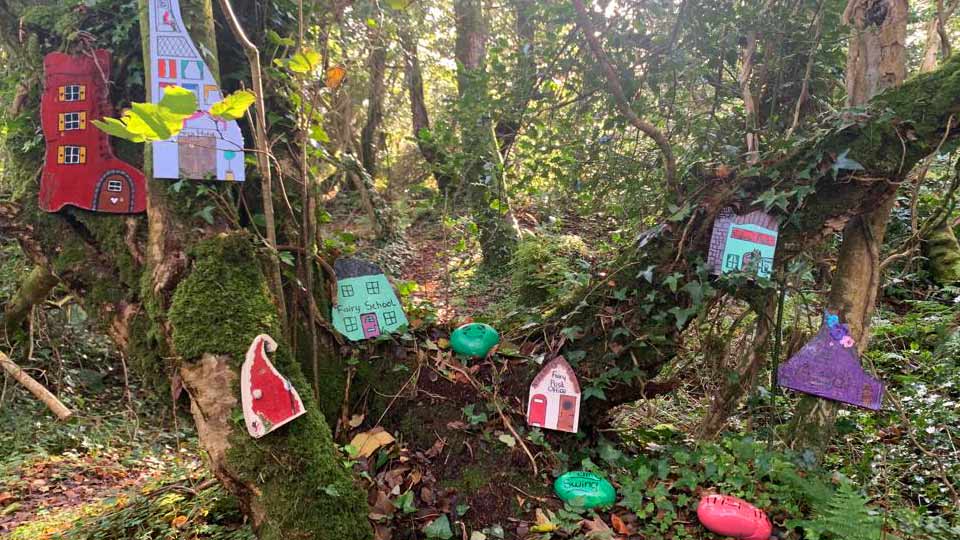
{"x": 554, "y": 401}
{"x": 269, "y": 400}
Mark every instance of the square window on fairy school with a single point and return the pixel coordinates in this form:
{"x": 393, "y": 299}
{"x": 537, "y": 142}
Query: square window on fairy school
{"x": 373, "y": 287}
{"x": 390, "y": 317}
{"x": 346, "y": 291}
{"x": 350, "y": 324}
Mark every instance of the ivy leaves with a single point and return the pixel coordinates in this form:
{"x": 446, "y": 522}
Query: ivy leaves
{"x": 149, "y": 122}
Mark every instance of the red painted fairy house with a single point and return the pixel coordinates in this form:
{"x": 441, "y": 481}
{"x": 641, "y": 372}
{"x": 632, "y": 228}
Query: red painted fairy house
{"x": 80, "y": 168}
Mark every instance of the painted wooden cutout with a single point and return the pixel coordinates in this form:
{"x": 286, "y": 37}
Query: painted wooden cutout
{"x": 366, "y": 304}
{"x": 743, "y": 243}
{"x": 208, "y": 148}
{"x": 269, "y": 400}
{"x": 554, "y": 401}
{"x": 80, "y": 168}
{"x": 729, "y": 516}
{"x": 828, "y": 366}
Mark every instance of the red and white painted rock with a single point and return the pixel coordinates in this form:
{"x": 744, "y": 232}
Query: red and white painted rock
{"x": 729, "y": 516}
{"x": 269, "y": 400}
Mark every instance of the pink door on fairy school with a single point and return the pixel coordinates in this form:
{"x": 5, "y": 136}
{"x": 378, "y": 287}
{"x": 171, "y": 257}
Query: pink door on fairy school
{"x": 371, "y": 328}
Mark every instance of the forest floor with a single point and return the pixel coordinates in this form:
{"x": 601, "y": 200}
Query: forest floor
{"x": 128, "y": 467}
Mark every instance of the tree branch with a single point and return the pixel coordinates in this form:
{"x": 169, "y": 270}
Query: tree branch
{"x": 615, "y": 88}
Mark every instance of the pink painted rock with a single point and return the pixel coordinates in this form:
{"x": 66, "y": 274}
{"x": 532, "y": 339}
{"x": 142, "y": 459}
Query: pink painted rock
{"x": 729, "y": 516}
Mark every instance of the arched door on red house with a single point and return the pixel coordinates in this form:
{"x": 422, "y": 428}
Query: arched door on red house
{"x": 114, "y": 193}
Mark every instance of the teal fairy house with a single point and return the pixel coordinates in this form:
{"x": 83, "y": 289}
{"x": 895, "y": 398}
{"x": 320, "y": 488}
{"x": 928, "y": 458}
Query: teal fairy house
{"x": 366, "y": 305}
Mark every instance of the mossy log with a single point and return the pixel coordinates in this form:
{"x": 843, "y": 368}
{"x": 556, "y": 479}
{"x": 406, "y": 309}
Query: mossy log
{"x": 34, "y": 289}
{"x": 943, "y": 253}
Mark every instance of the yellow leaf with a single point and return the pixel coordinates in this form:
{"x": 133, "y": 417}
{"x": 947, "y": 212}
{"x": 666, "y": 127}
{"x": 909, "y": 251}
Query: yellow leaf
{"x": 369, "y": 442}
{"x": 543, "y": 523}
{"x": 178, "y": 522}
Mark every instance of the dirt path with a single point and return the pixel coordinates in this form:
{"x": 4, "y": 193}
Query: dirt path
{"x": 434, "y": 267}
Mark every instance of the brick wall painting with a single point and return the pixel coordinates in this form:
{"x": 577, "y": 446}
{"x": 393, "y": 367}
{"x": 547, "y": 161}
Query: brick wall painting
{"x": 743, "y": 243}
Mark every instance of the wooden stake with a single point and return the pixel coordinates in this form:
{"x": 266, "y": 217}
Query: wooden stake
{"x": 35, "y": 388}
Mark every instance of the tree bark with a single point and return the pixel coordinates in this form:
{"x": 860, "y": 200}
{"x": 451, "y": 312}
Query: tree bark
{"x": 483, "y": 171}
{"x": 377, "y": 66}
{"x": 35, "y": 388}
{"x": 876, "y": 61}
{"x": 743, "y": 377}
{"x": 34, "y": 289}
{"x": 420, "y": 120}
{"x": 613, "y": 84}
{"x": 940, "y": 245}
{"x": 943, "y": 253}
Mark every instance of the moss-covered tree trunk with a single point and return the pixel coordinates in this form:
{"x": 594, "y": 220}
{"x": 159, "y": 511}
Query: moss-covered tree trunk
{"x": 876, "y": 61}
{"x": 942, "y": 251}
{"x": 483, "y": 171}
{"x": 34, "y": 289}
{"x": 208, "y": 298}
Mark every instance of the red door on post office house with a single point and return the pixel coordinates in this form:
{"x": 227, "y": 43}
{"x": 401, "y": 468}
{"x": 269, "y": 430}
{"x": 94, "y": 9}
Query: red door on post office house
{"x": 537, "y": 412}
{"x": 371, "y": 328}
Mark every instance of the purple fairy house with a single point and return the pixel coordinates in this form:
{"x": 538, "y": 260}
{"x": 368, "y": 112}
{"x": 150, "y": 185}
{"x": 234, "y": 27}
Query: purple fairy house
{"x": 828, "y": 367}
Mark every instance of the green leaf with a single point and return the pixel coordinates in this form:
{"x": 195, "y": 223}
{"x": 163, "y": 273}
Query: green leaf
{"x": 439, "y": 528}
{"x": 116, "y": 128}
{"x": 594, "y": 392}
{"x": 305, "y": 61}
{"x": 671, "y": 281}
{"x": 507, "y": 440}
{"x": 178, "y": 101}
{"x": 206, "y": 214}
{"x": 399, "y": 5}
{"x": 233, "y": 106}
{"x": 276, "y": 39}
{"x": 843, "y": 162}
{"x": 147, "y": 119}
{"x": 405, "y": 503}
{"x": 318, "y": 134}
{"x": 372, "y": 23}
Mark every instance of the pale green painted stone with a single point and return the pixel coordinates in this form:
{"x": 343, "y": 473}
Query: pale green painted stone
{"x": 474, "y": 339}
{"x": 585, "y": 490}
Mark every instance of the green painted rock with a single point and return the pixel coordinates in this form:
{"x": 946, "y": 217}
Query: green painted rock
{"x": 584, "y": 489}
{"x": 474, "y": 339}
